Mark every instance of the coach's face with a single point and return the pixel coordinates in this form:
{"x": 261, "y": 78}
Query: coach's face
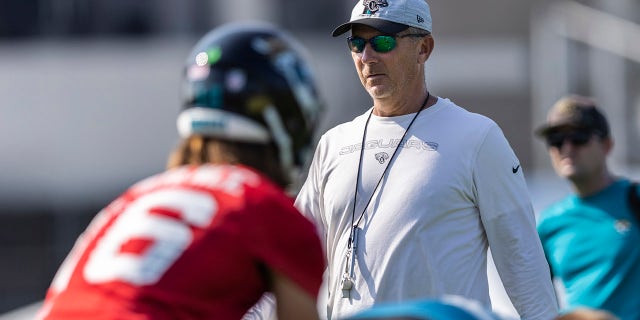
{"x": 393, "y": 73}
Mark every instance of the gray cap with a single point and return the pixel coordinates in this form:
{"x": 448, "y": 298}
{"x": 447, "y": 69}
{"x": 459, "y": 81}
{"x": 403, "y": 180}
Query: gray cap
{"x": 577, "y": 112}
{"x": 389, "y": 16}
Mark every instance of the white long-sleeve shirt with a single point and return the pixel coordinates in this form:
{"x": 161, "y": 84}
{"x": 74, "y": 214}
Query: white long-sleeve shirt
{"x": 454, "y": 189}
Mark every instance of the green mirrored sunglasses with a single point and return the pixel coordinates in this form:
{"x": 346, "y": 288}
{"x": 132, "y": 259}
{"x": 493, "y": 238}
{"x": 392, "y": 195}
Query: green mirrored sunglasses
{"x": 381, "y": 43}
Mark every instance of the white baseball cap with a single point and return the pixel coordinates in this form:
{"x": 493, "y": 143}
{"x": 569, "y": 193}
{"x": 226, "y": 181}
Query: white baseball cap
{"x": 389, "y": 16}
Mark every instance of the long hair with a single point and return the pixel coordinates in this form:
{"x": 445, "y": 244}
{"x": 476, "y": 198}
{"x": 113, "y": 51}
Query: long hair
{"x": 199, "y": 150}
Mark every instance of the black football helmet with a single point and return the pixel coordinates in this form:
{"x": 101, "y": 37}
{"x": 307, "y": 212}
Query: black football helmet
{"x": 252, "y": 83}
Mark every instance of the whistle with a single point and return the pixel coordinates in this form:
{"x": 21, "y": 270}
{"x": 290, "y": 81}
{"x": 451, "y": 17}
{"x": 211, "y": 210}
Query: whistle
{"x": 346, "y": 284}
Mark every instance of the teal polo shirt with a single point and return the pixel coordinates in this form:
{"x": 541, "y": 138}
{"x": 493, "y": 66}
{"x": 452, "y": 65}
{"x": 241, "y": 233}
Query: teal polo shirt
{"x": 592, "y": 245}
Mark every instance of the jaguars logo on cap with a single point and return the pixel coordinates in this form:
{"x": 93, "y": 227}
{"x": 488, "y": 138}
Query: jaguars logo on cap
{"x": 372, "y": 6}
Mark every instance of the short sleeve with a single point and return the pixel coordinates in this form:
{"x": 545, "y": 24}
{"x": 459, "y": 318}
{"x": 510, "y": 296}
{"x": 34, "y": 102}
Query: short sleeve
{"x": 284, "y": 240}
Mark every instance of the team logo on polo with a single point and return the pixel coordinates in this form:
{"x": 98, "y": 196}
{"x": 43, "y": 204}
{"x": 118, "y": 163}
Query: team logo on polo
{"x": 382, "y": 157}
{"x": 372, "y": 6}
{"x": 622, "y": 226}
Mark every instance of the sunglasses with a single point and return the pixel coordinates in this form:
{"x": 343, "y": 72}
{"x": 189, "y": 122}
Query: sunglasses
{"x": 576, "y": 138}
{"x": 381, "y": 43}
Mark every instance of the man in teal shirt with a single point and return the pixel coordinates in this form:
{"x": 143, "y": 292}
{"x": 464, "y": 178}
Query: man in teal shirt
{"x": 591, "y": 238}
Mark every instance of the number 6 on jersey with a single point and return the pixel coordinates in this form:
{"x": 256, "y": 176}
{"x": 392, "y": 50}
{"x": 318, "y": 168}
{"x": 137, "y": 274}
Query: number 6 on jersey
{"x": 149, "y": 236}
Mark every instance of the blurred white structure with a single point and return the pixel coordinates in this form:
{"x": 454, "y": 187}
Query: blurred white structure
{"x": 575, "y": 47}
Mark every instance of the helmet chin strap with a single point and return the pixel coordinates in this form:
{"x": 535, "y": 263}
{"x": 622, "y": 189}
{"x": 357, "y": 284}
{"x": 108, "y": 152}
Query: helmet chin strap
{"x": 280, "y": 137}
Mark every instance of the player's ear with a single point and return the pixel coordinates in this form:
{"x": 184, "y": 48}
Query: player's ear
{"x": 608, "y": 144}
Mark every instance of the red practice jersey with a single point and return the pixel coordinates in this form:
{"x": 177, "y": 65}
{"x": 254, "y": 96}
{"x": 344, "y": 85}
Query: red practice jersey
{"x": 190, "y": 243}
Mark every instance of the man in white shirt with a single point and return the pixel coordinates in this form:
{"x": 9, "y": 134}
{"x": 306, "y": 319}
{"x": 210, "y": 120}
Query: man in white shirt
{"x": 410, "y": 195}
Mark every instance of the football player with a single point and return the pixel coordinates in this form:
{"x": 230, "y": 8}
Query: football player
{"x": 206, "y": 238}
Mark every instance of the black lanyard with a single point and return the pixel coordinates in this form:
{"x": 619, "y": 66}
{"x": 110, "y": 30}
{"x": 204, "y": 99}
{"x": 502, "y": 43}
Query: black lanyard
{"x": 347, "y": 276}
{"x": 354, "y": 224}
